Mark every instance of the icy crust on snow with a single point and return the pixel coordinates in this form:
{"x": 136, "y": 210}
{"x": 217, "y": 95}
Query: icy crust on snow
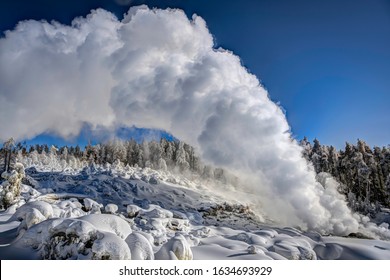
{"x": 106, "y": 214}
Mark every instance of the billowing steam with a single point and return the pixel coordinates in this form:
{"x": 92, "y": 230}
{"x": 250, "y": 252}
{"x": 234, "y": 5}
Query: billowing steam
{"x": 158, "y": 69}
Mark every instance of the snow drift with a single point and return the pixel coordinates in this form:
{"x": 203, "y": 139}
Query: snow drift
{"x": 158, "y": 69}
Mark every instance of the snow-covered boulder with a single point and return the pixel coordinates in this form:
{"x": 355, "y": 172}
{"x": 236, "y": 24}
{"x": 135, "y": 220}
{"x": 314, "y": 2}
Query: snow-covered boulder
{"x": 294, "y": 249}
{"x": 33, "y": 217}
{"x": 109, "y": 223}
{"x": 111, "y": 208}
{"x": 132, "y": 210}
{"x": 156, "y": 212}
{"x": 153, "y": 180}
{"x": 83, "y": 230}
{"x": 252, "y": 249}
{"x": 177, "y": 248}
{"x": 32, "y": 213}
{"x": 76, "y": 239}
{"x": 140, "y": 247}
{"x": 92, "y": 206}
{"x": 68, "y": 209}
{"x": 109, "y": 246}
{"x": 45, "y": 208}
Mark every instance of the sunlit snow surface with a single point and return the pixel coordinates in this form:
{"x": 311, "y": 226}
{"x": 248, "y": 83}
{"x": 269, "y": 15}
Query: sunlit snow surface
{"x": 146, "y": 214}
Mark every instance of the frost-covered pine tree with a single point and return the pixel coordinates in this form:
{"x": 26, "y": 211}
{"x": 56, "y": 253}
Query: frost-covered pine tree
{"x": 307, "y": 148}
{"x": 362, "y": 171}
{"x": 387, "y": 188}
{"x": 102, "y": 158}
{"x": 8, "y": 147}
{"x": 170, "y": 153}
{"x": 319, "y": 156}
{"x": 10, "y": 188}
{"x": 64, "y": 154}
{"x": 162, "y": 165}
{"x": 333, "y": 162}
{"x": 53, "y": 159}
{"x": 181, "y": 157}
{"x": 119, "y": 151}
{"x": 155, "y": 152}
{"x": 139, "y": 156}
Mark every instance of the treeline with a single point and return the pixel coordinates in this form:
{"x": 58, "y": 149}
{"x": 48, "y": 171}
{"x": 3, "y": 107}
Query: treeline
{"x": 160, "y": 155}
{"x": 364, "y": 172}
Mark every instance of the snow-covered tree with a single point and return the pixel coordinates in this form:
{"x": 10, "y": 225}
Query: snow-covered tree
{"x": 362, "y": 171}
{"x": 10, "y": 188}
{"x": 307, "y": 148}
{"x": 7, "y": 153}
{"x": 155, "y": 154}
{"x": 181, "y": 157}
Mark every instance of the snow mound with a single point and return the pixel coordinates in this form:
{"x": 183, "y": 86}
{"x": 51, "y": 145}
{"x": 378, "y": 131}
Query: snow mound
{"x": 92, "y": 206}
{"x": 110, "y": 247}
{"x": 32, "y": 213}
{"x": 132, "y": 210}
{"x": 177, "y": 248}
{"x": 294, "y": 249}
{"x": 109, "y": 223}
{"x": 111, "y": 208}
{"x": 140, "y": 247}
{"x": 43, "y": 207}
{"x": 88, "y": 238}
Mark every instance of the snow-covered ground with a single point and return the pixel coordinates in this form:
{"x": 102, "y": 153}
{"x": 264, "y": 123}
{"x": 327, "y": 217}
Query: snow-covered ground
{"x": 144, "y": 214}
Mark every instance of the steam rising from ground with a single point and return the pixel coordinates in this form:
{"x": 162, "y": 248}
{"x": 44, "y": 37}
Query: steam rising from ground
{"x": 158, "y": 69}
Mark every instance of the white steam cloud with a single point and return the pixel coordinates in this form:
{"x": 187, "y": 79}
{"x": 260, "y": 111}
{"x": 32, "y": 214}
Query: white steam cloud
{"x": 158, "y": 69}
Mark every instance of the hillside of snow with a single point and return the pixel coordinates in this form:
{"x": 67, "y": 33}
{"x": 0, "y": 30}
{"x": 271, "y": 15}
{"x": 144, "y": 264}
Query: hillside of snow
{"x": 144, "y": 214}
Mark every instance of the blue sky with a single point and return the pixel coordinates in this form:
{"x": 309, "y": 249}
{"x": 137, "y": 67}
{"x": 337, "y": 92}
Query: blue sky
{"x": 327, "y": 62}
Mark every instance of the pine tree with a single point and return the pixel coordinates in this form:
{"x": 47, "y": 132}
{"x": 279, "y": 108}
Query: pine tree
{"x": 155, "y": 154}
{"x": 307, "y": 148}
{"x": 8, "y": 148}
{"x": 181, "y": 158}
{"x": 334, "y": 162}
{"x": 361, "y": 170}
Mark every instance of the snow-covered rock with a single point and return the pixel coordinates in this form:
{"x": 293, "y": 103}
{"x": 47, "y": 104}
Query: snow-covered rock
{"x": 32, "y": 213}
{"x": 109, "y": 246}
{"x": 177, "y": 248}
{"x": 140, "y": 247}
{"x": 132, "y": 210}
{"x": 109, "y": 223}
{"x": 111, "y": 208}
{"x": 92, "y": 206}
{"x": 77, "y": 239}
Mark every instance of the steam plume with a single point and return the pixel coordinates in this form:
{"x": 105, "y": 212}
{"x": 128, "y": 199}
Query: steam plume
{"x": 158, "y": 69}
